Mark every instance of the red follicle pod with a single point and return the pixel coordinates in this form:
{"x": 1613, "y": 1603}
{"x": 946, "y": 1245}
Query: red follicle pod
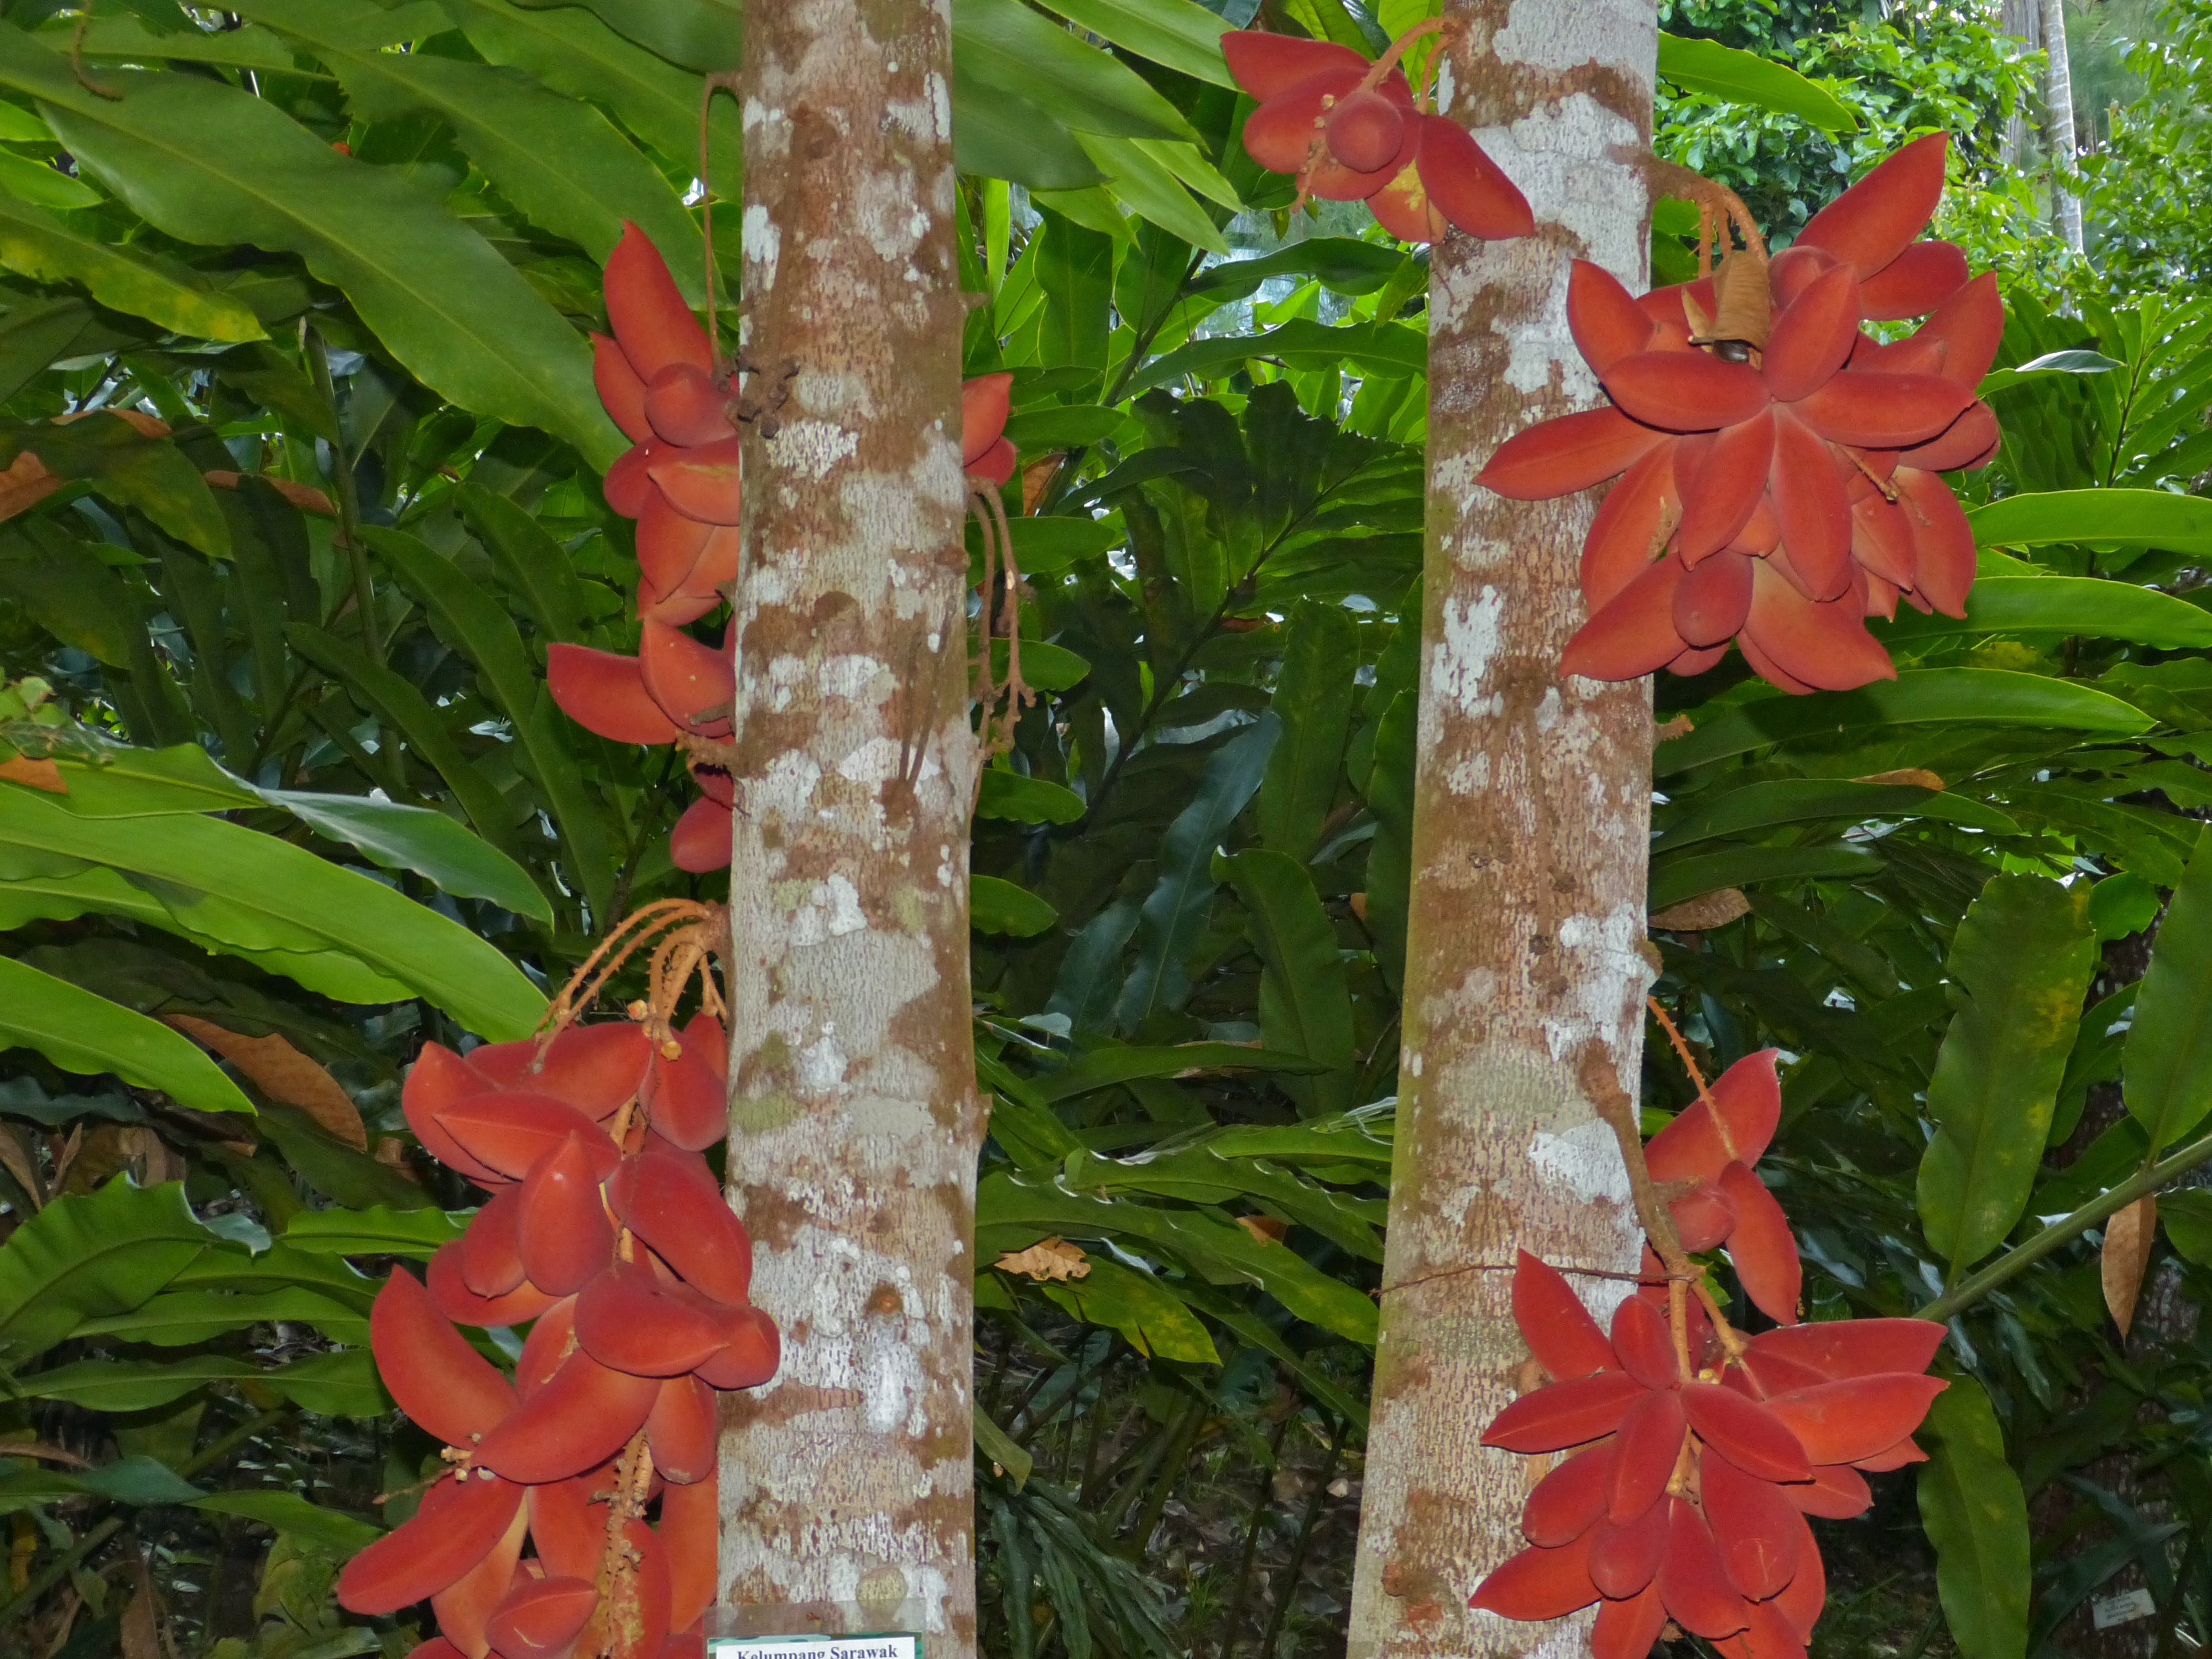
{"x": 1712, "y": 601}
{"x": 1266, "y": 64}
{"x": 1365, "y": 130}
{"x": 594, "y": 1068}
{"x": 669, "y": 546}
{"x": 628, "y": 1320}
{"x": 1761, "y": 1247}
{"x": 1569, "y": 1500}
{"x": 1881, "y": 410}
{"x": 569, "y": 1523}
{"x": 686, "y": 407}
{"x": 1813, "y": 335}
{"x": 578, "y": 1418}
{"x": 1629, "y": 1629}
{"x": 1914, "y": 283}
{"x": 1856, "y": 1421}
{"x": 1811, "y": 509}
{"x": 1881, "y": 541}
{"x": 1729, "y": 482}
{"x": 465, "y": 1606}
{"x": 436, "y": 1648}
{"x": 687, "y": 1099}
{"x": 700, "y": 483}
{"x": 694, "y": 684}
{"x": 1943, "y": 541}
{"x": 1766, "y": 1635}
{"x": 489, "y": 1255}
{"x": 1630, "y": 528}
{"x": 1755, "y": 1526}
{"x": 1808, "y": 1592}
{"x": 1557, "y": 1328}
{"x": 1702, "y": 1219}
{"x": 605, "y": 695}
{"x": 650, "y": 319}
{"x": 690, "y": 1529}
{"x": 683, "y": 1220}
{"x": 1539, "y": 1584}
{"x": 1564, "y": 1413}
{"x": 631, "y": 1619}
{"x": 439, "y": 1078}
{"x": 1749, "y": 1435}
{"x": 1691, "y": 1580}
{"x": 1465, "y": 186}
{"x": 1684, "y": 391}
{"x": 1970, "y": 325}
{"x": 453, "y": 1298}
{"x": 683, "y": 1431}
{"x": 1748, "y": 1096}
{"x": 1853, "y": 1347}
{"x": 628, "y": 484}
{"x": 459, "y": 1523}
{"x": 1793, "y": 269}
{"x": 1625, "y": 1558}
{"x": 551, "y": 1340}
{"x": 1644, "y": 1344}
{"x": 1969, "y": 442}
{"x": 1814, "y": 646}
{"x": 620, "y": 389}
{"x": 1837, "y": 1492}
{"x": 1634, "y": 634}
{"x": 1607, "y": 322}
{"x": 1871, "y": 223}
{"x": 511, "y": 1131}
{"x": 565, "y": 1234}
{"x": 1644, "y": 1453}
{"x": 701, "y": 840}
{"x": 541, "y": 1619}
{"x": 1559, "y": 457}
{"x": 440, "y": 1381}
{"x": 750, "y": 1358}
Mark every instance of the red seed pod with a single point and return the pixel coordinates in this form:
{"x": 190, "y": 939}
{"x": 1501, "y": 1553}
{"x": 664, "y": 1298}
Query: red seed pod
{"x": 489, "y": 1255}
{"x": 701, "y": 840}
{"x": 1631, "y": 526}
{"x": 1914, "y": 283}
{"x": 700, "y": 482}
{"x": 1558, "y": 456}
{"x": 551, "y": 1340}
{"x": 985, "y": 403}
{"x": 1604, "y": 318}
{"x": 509, "y": 1132}
{"x": 458, "y": 1525}
{"x": 1718, "y": 501}
{"x": 650, "y": 319}
{"x": 1757, "y": 1375}
{"x": 1968, "y": 442}
{"x": 569, "y": 1523}
{"x": 1883, "y": 411}
{"x": 687, "y": 1099}
{"x": 541, "y": 1617}
{"x": 1970, "y": 324}
{"x": 594, "y": 1068}
{"x": 1943, "y": 541}
{"x": 1754, "y": 1525}
{"x": 1465, "y": 186}
{"x": 1836, "y": 1492}
{"x": 1809, "y": 646}
{"x": 436, "y": 1648}
{"x": 452, "y": 1298}
{"x": 1766, "y": 1635}
{"x": 1855, "y": 1347}
{"x": 1704, "y": 1218}
{"x": 1634, "y": 635}
{"x": 1644, "y": 1453}
{"x": 1684, "y": 391}
{"x": 1749, "y": 1435}
{"x": 1266, "y": 64}
{"x": 1793, "y": 269}
{"x": 565, "y": 1234}
{"x": 441, "y": 1078}
{"x": 1808, "y": 1592}
{"x": 690, "y": 1529}
{"x": 465, "y": 1606}
{"x": 1569, "y": 1500}
{"x": 682, "y": 1430}
{"x": 1644, "y": 1344}
{"x": 581, "y": 1417}
{"x": 628, "y": 1320}
{"x": 1539, "y": 1584}
{"x": 1812, "y": 336}
{"x": 1859, "y": 1420}
{"x": 1366, "y": 131}
{"x": 1625, "y": 1559}
{"x": 1557, "y": 1328}
{"x": 1629, "y": 1629}
{"x": 437, "y": 1378}
{"x": 1762, "y": 1249}
{"x": 631, "y": 1622}
{"x": 1871, "y": 223}
{"x": 1564, "y": 1413}
{"x": 669, "y": 546}
{"x": 605, "y": 695}
{"x": 1691, "y": 1580}
{"x": 686, "y": 407}
{"x": 1748, "y": 1096}
{"x": 749, "y": 1358}
{"x": 628, "y": 484}
{"x": 620, "y": 389}
{"x": 705, "y": 1035}
{"x": 1811, "y": 509}
{"x": 683, "y": 1220}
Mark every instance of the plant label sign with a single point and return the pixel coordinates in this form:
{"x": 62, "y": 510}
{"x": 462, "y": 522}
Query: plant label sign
{"x": 899, "y": 1646}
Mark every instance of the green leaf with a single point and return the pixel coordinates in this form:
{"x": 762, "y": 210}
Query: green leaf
{"x": 995, "y": 1443}
{"x": 1305, "y": 1000}
{"x": 1103, "y": 1068}
{"x": 1046, "y": 546}
{"x": 1976, "y": 1515}
{"x": 998, "y": 133}
{"x": 2019, "y": 963}
{"x": 2061, "y": 605}
{"x": 1798, "y": 801}
{"x": 1199, "y": 1175}
{"x": 477, "y": 626}
{"x": 131, "y": 469}
{"x": 1000, "y": 907}
{"x": 293, "y": 1516}
{"x": 1045, "y": 667}
{"x": 27, "y": 183}
{"x": 220, "y": 879}
{"x": 2186, "y": 1215}
{"x": 1025, "y": 799}
{"x": 39, "y": 245}
{"x": 244, "y": 47}
{"x": 1917, "y": 697}
{"x": 415, "y": 838}
{"x": 203, "y": 161}
{"x": 1174, "y": 914}
{"x": 343, "y": 1383}
{"x": 702, "y": 35}
{"x": 1674, "y": 879}
{"x": 68, "y": 590}
{"x": 1176, "y": 34}
{"x": 1393, "y": 350}
{"x": 556, "y": 159}
{"x": 1004, "y": 45}
{"x": 529, "y": 561}
{"x": 1343, "y": 264}
{"x": 1313, "y": 698}
{"x": 1389, "y": 792}
{"x": 2180, "y": 524}
{"x": 2166, "y": 1066}
{"x": 1076, "y": 271}
{"x": 377, "y": 1230}
{"x": 1153, "y": 1318}
{"x": 119, "y": 782}
{"x": 131, "y": 1385}
{"x": 33, "y": 336}
{"x": 81, "y": 1257}
{"x": 1741, "y": 78}
{"x": 80, "y": 1032}
{"x": 1139, "y": 179}
{"x": 180, "y": 1318}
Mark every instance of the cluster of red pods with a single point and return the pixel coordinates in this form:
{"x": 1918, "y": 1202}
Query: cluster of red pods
{"x": 1778, "y": 465}
{"x": 607, "y": 1235}
{"x": 1352, "y": 130}
{"x": 662, "y": 384}
{"x": 1694, "y": 1455}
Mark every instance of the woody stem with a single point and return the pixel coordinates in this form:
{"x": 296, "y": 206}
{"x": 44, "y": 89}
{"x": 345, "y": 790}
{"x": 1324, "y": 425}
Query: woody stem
{"x": 1697, "y": 1076}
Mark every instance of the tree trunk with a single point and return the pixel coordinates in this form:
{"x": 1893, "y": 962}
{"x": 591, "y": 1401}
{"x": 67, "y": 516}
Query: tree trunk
{"x": 854, "y": 1123}
{"x": 2059, "y": 101}
{"x": 2022, "y": 20}
{"x": 1531, "y": 817}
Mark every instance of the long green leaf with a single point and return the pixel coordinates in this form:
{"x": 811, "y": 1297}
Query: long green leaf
{"x": 2063, "y": 605}
{"x": 1677, "y": 879}
{"x": 1742, "y": 77}
{"x": 37, "y": 244}
{"x": 2181, "y": 523}
{"x": 1976, "y": 1517}
{"x": 1178, "y": 34}
{"x": 1103, "y": 1068}
{"x": 1921, "y": 696}
{"x": 1799, "y": 800}
{"x": 288, "y": 1513}
{"x": 1003, "y": 44}
{"x": 88, "y": 1034}
{"x": 1144, "y": 1308}
{"x": 1313, "y": 698}
{"x": 205, "y": 162}
{"x": 1305, "y": 998}
{"x": 377, "y": 1230}
{"x": 2165, "y": 1067}
{"x": 103, "y": 1253}
{"x": 415, "y": 838}
{"x": 2020, "y": 960}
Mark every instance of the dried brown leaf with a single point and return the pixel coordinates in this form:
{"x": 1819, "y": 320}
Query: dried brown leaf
{"x": 1267, "y": 1229}
{"x": 2128, "y": 1238}
{"x": 305, "y": 497}
{"x": 1918, "y": 776}
{"x": 24, "y": 484}
{"x": 283, "y": 1073}
{"x": 145, "y": 425}
{"x": 17, "y": 1159}
{"x": 38, "y": 773}
{"x": 1046, "y": 1262}
{"x": 1680, "y": 726}
{"x": 1713, "y": 910}
{"x": 142, "y": 1617}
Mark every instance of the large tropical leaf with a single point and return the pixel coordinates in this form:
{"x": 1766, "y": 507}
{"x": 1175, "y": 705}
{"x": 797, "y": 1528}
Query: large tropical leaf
{"x": 87, "y": 1034}
{"x": 102, "y": 1254}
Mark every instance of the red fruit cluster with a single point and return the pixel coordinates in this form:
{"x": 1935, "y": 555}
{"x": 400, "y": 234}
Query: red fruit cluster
{"x": 606, "y": 1228}
{"x": 1350, "y": 130}
{"x": 659, "y": 380}
{"x": 1694, "y": 1453}
{"x": 1778, "y": 465}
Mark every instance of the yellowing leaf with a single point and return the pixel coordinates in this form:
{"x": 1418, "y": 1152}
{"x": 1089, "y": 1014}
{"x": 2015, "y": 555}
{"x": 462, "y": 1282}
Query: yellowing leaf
{"x": 2128, "y": 1238}
{"x": 1047, "y": 1261}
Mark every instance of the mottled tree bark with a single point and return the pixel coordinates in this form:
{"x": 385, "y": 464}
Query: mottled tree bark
{"x": 854, "y": 1125}
{"x": 1531, "y": 816}
{"x": 2058, "y": 101}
